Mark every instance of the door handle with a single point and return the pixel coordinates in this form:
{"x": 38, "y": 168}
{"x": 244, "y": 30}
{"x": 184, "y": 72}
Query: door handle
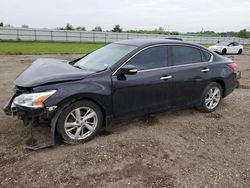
{"x": 166, "y": 77}
{"x": 205, "y": 70}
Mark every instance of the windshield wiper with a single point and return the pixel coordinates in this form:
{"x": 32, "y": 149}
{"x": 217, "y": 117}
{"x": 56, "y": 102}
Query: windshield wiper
{"x": 102, "y": 70}
{"x": 77, "y": 66}
{"x": 74, "y": 61}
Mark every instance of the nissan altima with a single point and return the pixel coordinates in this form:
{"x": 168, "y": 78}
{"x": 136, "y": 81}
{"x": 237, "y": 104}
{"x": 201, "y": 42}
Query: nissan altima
{"x": 122, "y": 80}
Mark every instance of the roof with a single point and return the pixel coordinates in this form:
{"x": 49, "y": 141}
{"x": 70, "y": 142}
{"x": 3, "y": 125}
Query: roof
{"x": 146, "y": 42}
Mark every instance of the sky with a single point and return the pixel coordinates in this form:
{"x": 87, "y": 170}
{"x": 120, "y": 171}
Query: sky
{"x": 172, "y": 15}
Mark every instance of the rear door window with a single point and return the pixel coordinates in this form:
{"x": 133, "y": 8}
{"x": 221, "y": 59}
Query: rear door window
{"x": 181, "y": 55}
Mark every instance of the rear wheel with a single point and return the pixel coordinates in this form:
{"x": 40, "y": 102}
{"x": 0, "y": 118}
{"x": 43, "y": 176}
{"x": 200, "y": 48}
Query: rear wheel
{"x": 239, "y": 52}
{"x": 80, "y": 122}
{"x": 224, "y": 51}
{"x": 211, "y": 97}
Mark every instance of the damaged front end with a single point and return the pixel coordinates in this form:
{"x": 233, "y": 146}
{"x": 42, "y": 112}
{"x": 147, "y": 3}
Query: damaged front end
{"x": 28, "y": 106}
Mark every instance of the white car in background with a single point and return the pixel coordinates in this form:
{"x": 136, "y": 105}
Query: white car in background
{"x": 227, "y": 48}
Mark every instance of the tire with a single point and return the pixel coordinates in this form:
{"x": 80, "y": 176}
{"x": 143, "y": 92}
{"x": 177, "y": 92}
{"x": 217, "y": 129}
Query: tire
{"x": 240, "y": 52}
{"x": 215, "y": 100}
{"x": 72, "y": 125}
{"x": 224, "y": 51}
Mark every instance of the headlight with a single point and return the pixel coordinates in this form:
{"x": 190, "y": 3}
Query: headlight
{"x": 33, "y": 100}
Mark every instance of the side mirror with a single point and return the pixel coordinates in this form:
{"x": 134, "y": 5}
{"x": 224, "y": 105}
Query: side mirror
{"x": 128, "y": 69}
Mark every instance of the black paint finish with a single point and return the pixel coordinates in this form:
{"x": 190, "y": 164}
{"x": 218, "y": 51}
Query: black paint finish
{"x": 121, "y": 96}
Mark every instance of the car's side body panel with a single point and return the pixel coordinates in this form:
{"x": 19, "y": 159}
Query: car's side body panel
{"x": 124, "y": 96}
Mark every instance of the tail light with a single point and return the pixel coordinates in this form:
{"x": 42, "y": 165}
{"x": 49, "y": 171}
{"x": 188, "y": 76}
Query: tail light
{"x": 233, "y": 66}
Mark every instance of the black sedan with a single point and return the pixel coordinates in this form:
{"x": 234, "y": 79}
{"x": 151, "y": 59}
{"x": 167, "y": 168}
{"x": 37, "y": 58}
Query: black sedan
{"x": 121, "y": 80}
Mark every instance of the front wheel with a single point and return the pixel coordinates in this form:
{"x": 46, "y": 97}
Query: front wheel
{"x": 80, "y": 122}
{"x": 224, "y": 51}
{"x": 211, "y": 97}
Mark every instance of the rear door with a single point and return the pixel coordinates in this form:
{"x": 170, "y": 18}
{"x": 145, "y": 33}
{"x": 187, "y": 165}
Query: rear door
{"x": 146, "y": 91}
{"x": 232, "y": 48}
{"x": 191, "y": 71}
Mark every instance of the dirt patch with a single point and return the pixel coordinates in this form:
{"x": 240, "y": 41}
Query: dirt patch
{"x": 215, "y": 115}
{"x": 149, "y": 120}
{"x": 185, "y": 148}
{"x": 105, "y": 133}
{"x": 244, "y": 86}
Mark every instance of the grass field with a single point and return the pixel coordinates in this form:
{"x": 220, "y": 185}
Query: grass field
{"x": 20, "y": 47}
{"x": 31, "y": 48}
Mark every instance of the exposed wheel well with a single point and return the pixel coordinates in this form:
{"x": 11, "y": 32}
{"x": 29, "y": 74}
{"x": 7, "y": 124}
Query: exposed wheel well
{"x": 224, "y": 51}
{"x": 222, "y": 84}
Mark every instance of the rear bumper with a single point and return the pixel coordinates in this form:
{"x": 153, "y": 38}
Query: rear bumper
{"x": 231, "y": 83}
{"x": 238, "y": 75}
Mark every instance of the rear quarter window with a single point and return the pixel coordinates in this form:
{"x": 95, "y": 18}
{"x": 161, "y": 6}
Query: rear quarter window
{"x": 206, "y": 56}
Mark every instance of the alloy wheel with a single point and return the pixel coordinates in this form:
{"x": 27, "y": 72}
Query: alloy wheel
{"x": 213, "y": 98}
{"x": 80, "y": 123}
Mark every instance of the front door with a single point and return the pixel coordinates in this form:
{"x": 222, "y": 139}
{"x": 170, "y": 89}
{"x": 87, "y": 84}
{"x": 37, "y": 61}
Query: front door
{"x": 146, "y": 91}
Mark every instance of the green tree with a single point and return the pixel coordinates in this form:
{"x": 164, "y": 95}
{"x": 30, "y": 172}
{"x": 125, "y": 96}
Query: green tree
{"x": 1, "y": 24}
{"x": 97, "y": 28}
{"x": 243, "y": 34}
{"x": 159, "y": 30}
{"x": 69, "y": 27}
{"x": 117, "y": 29}
{"x": 25, "y": 26}
{"x": 81, "y": 28}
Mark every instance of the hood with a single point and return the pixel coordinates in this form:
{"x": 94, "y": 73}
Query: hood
{"x": 216, "y": 46}
{"x": 44, "y": 71}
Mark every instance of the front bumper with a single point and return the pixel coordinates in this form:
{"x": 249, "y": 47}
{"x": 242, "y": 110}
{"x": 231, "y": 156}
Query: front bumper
{"x": 27, "y": 115}
{"x": 34, "y": 116}
{"x": 7, "y": 108}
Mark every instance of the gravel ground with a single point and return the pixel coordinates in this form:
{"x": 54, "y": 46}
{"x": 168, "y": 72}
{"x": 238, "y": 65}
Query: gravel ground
{"x": 185, "y": 148}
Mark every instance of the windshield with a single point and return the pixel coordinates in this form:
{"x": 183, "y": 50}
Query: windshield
{"x": 104, "y": 57}
{"x": 223, "y": 44}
